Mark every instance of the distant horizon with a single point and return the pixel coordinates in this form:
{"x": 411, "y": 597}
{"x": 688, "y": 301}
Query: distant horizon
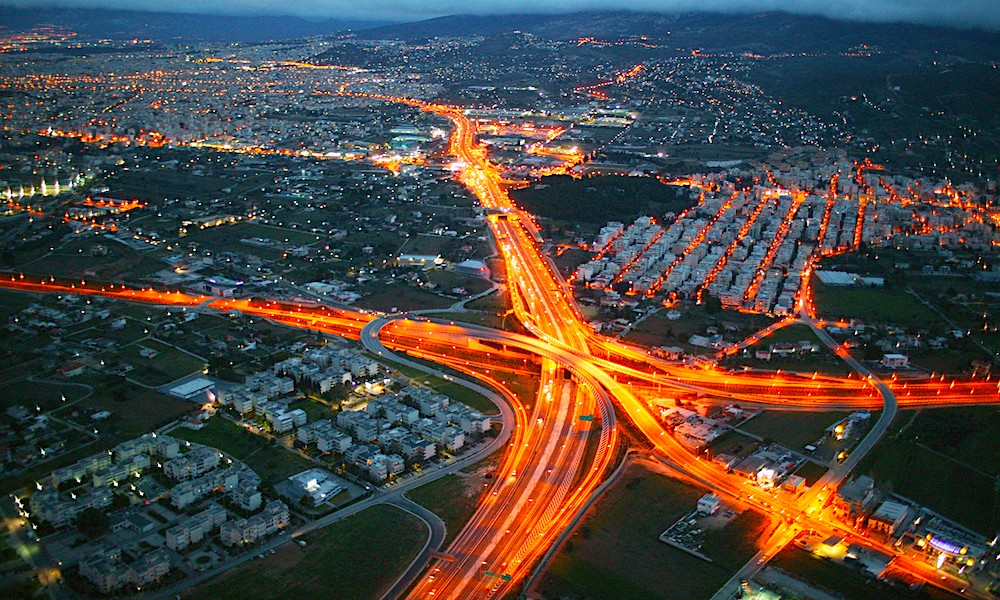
{"x": 960, "y": 14}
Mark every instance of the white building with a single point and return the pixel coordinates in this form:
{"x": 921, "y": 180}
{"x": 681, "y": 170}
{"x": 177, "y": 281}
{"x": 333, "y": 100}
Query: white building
{"x": 709, "y": 504}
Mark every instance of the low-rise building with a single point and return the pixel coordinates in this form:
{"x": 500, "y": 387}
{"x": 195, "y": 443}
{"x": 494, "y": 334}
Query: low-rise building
{"x": 854, "y": 499}
{"x": 195, "y": 528}
{"x": 709, "y": 504}
{"x": 246, "y": 531}
{"x": 59, "y": 510}
{"x": 109, "y": 575}
{"x": 889, "y": 517}
{"x": 199, "y": 460}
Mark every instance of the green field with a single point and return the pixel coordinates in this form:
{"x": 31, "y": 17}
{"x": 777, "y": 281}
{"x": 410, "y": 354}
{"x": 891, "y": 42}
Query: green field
{"x": 872, "y": 305}
{"x": 945, "y": 459}
{"x": 169, "y": 365}
{"x": 141, "y": 410}
{"x": 37, "y": 393}
{"x": 272, "y": 463}
{"x": 453, "y": 498}
{"x": 475, "y": 318}
{"x": 734, "y": 443}
{"x": 657, "y": 330}
{"x": 399, "y": 297}
{"x": 598, "y": 200}
{"x": 732, "y": 545}
{"x": 792, "y": 333}
{"x": 495, "y": 303}
{"x": 616, "y": 554}
{"x": 793, "y": 429}
{"x": 446, "y": 280}
{"x": 358, "y": 557}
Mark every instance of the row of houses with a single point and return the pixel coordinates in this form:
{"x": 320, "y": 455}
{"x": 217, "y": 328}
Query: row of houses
{"x": 124, "y": 453}
{"x": 195, "y": 528}
{"x": 327, "y": 366}
{"x": 241, "y": 532}
{"x": 372, "y": 461}
{"x": 112, "y": 573}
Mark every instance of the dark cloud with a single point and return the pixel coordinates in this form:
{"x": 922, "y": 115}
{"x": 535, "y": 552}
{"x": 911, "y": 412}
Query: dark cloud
{"x": 961, "y": 13}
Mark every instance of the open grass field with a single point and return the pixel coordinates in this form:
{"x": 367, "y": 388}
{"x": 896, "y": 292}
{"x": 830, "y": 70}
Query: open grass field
{"x": 496, "y": 303}
{"x": 733, "y": 443}
{"x": 657, "y": 330}
{"x": 792, "y": 333}
{"x": 793, "y": 429}
{"x": 453, "y": 498}
{"x": 37, "y": 393}
{"x": 468, "y": 397}
{"x": 170, "y": 364}
{"x": 945, "y": 460}
{"x": 272, "y": 463}
{"x": 403, "y": 298}
{"x": 448, "y": 280}
{"x": 569, "y": 260}
{"x": 358, "y": 557}
{"x": 475, "y": 318}
{"x": 872, "y": 305}
{"x": 616, "y": 553}
{"x": 143, "y": 411}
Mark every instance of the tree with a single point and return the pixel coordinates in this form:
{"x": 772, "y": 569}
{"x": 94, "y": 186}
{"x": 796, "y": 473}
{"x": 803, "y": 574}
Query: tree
{"x": 92, "y": 522}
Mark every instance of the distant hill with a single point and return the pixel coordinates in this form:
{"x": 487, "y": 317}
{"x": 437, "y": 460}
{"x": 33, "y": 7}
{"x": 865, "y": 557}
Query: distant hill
{"x": 761, "y": 32}
{"x": 172, "y": 27}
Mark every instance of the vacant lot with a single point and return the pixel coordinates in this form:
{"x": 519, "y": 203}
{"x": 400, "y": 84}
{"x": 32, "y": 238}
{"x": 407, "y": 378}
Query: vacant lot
{"x": 811, "y": 472}
{"x": 734, "y": 443}
{"x": 403, "y": 298}
{"x": 616, "y": 553}
{"x": 953, "y": 477}
{"x": 792, "y": 333}
{"x": 358, "y": 557}
{"x": 598, "y": 200}
{"x": 314, "y": 409}
{"x": 448, "y": 280}
{"x": 42, "y": 394}
{"x": 168, "y": 365}
{"x": 872, "y": 305}
{"x": 453, "y": 498}
{"x": 140, "y": 412}
{"x": 793, "y": 429}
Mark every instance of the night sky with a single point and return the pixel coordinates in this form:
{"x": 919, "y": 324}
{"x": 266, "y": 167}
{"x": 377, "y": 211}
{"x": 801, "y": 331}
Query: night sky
{"x": 962, "y": 13}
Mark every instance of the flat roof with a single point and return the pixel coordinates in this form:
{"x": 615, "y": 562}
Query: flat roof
{"x": 190, "y": 388}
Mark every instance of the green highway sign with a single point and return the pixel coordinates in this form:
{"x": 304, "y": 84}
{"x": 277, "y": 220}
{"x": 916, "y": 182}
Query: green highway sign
{"x": 490, "y": 574}
{"x": 506, "y": 577}
{"x": 586, "y": 417}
